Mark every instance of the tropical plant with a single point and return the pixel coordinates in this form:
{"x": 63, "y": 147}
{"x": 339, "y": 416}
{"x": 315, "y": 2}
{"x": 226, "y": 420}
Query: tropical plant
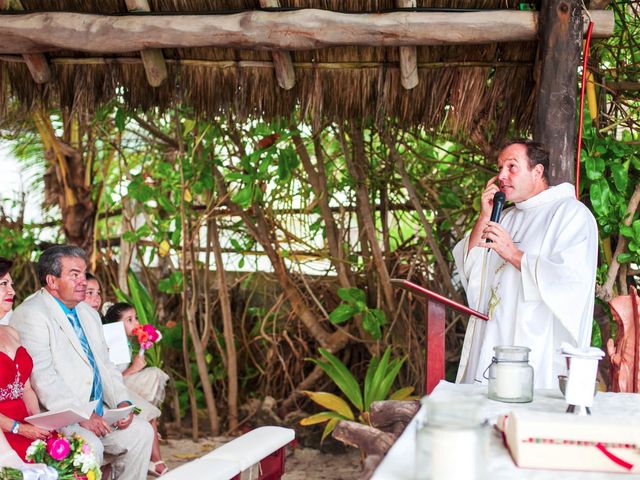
{"x": 145, "y": 309}
{"x": 378, "y": 381}
{"x": 355, "y": 302}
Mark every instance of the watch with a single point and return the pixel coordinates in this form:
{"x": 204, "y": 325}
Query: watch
{"x": 16, "y": 427}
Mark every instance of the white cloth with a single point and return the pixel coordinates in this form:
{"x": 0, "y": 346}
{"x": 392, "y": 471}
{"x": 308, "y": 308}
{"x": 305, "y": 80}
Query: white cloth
{"x": 62, "y": 376}
{"x": 400, "y": 461}
{"x": 147, "y": 389}
{"x": 548, "y": 302}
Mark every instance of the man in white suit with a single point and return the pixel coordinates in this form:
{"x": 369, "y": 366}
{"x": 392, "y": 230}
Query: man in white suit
{"x": 71, "y": 365}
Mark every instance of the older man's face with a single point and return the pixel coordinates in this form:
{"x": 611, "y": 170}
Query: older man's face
{"x": 71, "y": 286}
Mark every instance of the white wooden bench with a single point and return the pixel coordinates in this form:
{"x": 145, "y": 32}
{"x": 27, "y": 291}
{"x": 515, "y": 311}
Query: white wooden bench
{"x": 260, "y": 450}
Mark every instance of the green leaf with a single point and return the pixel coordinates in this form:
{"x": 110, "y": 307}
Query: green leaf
{"x": 620, "y": 177}
{"x": 318, "y": 418}
{"x": 352, "y": 295}
{"x": 625, "y": 257}
{"x": 331, "y": 425}
{"x": 594, "y": 167}
{"x": 373, "y": 321}
{"x": 342, "y": 313}
{"x": 342, "y": 377}
{"x": 121, "y": 119}
{"x": 244, "y": 197}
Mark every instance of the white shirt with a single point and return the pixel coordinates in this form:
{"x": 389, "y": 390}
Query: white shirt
{"x": 550, "y": 300}
{"x": 5, "y": 320}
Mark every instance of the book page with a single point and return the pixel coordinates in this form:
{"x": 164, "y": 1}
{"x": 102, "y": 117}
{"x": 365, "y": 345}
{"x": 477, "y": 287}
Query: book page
{"x": 61, "y": 418}
{"x": 113, "y": 415}
{"x": 116, "y": 339}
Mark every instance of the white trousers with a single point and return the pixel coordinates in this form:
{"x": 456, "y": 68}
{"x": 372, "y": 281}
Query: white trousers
{"x": 131, "y": 445}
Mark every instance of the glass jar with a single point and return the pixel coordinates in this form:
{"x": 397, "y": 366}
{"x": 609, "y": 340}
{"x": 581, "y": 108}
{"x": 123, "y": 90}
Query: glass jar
{"x": 451, "y": 440}
{"x": 510, "y": 375}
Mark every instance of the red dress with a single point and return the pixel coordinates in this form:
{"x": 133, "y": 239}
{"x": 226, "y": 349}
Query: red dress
{"x": 13, "y": 375}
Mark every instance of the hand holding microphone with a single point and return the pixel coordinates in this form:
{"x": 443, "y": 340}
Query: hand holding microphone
{"x": 498, "y": 204}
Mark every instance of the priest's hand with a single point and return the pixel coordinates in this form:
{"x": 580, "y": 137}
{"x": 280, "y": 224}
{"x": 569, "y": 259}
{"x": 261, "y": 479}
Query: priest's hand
{"x": 486, "y": 199}
{"x": 502, "y": 244}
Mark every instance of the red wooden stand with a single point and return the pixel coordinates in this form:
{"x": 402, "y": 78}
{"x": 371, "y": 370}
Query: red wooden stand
{"x": 435, "y": 318}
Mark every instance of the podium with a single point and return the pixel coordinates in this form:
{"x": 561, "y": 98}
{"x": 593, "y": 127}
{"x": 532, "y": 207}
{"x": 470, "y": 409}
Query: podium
{"x": 435, "y": 323}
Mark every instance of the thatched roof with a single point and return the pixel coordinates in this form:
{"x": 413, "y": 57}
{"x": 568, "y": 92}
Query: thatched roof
{"x": 485, "y": 88}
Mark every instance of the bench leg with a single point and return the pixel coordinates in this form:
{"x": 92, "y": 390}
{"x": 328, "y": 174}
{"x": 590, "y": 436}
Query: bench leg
{"x": 272, "y": 467}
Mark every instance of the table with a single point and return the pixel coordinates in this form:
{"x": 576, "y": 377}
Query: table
{"x": 399, "y": 463}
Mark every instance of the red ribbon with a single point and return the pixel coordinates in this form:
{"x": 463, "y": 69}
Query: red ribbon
{"x": 615, "y": 459}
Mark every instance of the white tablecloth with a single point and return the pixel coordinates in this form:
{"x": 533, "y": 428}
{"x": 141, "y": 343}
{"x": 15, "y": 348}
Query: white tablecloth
{"x": 399, "y": 463}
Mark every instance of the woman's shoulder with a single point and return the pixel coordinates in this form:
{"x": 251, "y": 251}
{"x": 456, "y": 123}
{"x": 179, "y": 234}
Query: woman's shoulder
{"x": 11, "y": 332}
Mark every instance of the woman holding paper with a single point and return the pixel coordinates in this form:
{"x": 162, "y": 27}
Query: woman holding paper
{"x": 17, "y": 398}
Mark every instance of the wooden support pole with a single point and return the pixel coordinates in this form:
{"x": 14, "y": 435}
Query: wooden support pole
{"x": 408, "y": 56}
{"x": 36, "y": 62}
{"x": 561, "y": 28}
{"x": 153, "y": 59}
{"x": 282, "y": 64}
{"x": 256, "y": 30}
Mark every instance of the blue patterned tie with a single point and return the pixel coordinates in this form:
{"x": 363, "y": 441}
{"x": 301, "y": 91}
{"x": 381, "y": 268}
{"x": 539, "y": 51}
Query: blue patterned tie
{"x": 96, "y": 390}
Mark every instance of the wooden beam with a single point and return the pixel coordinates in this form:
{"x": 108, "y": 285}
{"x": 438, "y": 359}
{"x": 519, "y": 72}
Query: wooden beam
{"x": 408, "y": 56}
{"x": 36, "y": 62}
{"x": 285, "y": 74}
{"x": 561, "y": 28}
{"x": 258, "y": 30}
{"x": 152, "y": 59}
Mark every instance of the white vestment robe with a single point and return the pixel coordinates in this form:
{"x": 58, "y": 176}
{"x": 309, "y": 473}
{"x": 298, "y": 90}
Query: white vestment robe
{"x": 549, "y": 301}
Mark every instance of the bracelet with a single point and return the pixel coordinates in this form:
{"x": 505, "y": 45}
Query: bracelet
{"x": 16, "y": 427}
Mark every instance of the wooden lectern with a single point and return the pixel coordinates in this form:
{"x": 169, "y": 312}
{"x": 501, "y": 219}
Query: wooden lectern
{"x": 435, "y": 318}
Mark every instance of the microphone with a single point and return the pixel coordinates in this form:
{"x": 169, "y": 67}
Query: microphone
{"x": 498, "y": 204}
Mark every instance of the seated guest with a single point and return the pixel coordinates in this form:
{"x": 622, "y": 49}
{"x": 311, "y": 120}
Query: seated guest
{"x": 17, "y": 398}
{"x": 71, "y": 361}
{"x": 93, "y": 296}
{"x": 6, "y": 291}
{"x": 146, "y": 384}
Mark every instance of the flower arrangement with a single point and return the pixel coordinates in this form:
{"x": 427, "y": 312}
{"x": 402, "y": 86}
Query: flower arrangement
{"x": 147, "y": 335}
{"x": 72, "y": 457}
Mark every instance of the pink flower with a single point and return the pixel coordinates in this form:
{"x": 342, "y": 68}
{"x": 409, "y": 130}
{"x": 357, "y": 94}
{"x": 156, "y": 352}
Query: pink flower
{"x": 58, "y": 448}
{"x": 154, "y": 335}
{"x": 86, "y": 449}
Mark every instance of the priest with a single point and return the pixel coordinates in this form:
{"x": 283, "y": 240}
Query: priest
{"x": 532, "y": 272}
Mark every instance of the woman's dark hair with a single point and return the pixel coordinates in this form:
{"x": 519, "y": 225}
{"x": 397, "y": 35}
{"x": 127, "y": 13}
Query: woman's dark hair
{"x": 5, "y": 266}
{"x": 90, "y": 276}
{"x": 115, "y": 311}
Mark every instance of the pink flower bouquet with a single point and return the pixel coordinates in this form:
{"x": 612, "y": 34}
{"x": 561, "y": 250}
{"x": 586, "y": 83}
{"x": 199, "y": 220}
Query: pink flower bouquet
{"x": 146, "y": 335}
{"x": 72, "y": 458}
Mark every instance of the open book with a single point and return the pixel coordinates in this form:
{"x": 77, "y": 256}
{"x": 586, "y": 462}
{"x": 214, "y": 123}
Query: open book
{"x": 68, "y": 416}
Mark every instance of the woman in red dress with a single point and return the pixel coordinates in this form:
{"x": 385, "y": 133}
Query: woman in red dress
{"x": 17, "y": 398}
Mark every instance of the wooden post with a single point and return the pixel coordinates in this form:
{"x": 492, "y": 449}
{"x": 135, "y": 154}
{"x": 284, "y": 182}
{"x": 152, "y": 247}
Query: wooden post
{"x": 560, "y": 33}
{"x": 37, "y": 63}
{"x": 282, "y": 64}
{"x": 435, "y": 345}
{"x": 153, "y": 59}
{"x": 408, "y": 56}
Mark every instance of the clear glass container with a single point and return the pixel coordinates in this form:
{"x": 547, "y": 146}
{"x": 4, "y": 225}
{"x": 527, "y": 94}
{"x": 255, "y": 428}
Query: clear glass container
{"x": 452, "y": 441}
{"x": 510, "y": 375}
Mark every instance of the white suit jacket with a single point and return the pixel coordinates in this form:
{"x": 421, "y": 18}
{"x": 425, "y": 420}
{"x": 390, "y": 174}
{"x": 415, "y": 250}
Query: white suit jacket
{"x": 62, "y": 376}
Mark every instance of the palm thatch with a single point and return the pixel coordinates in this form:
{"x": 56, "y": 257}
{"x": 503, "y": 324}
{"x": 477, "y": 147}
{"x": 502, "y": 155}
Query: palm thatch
{"x": 483, "y": 91}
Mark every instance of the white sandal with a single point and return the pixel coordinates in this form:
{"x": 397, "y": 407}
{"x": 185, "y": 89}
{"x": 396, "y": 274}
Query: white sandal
{"x": 153, "y": 468}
